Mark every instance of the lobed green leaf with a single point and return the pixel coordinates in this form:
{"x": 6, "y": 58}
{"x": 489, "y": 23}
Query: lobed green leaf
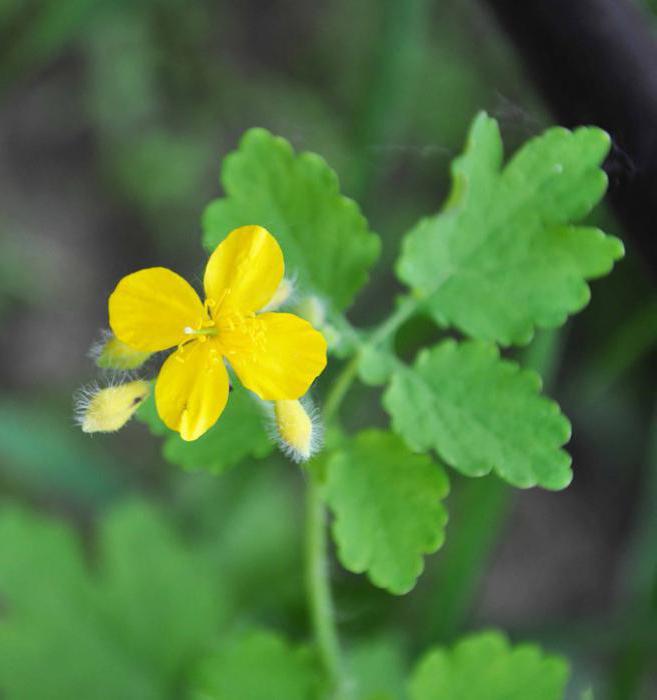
{"x": 485, "y": 667}
{"x": 387, "y": 506}
{"x": 259, "y": 666}
{"x": 504, "y": 255}
{"x": 480, "y": 413}
{"x": 325, "y": 238}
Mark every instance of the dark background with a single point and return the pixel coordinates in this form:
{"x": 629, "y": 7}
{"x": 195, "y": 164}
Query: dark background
{"x": 114, "y": 118}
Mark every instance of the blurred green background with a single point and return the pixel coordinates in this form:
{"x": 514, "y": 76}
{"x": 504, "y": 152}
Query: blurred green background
{"x": 114, "y": 118}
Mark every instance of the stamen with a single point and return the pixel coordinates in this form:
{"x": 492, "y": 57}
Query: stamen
{"x": 208, "y": 306}
{"x": 209, "y": 330}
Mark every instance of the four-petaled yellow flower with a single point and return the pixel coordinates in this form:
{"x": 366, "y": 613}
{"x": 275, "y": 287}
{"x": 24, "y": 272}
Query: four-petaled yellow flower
{"x": 275, "y": 355}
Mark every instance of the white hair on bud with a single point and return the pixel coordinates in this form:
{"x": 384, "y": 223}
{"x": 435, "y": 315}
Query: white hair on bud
{"x": 296, "y": 427}
{"x": 109, "y": 407}
{"x": 284, "y": 295}
{"x": 105, "y": 353}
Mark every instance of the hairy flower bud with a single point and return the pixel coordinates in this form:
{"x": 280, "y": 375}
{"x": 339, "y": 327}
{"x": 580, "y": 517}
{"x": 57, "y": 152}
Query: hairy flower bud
{"x": 105, "y": 410}
{"x": 313, "y": 309}
{"x": 298, "y": 430}
{"x": 282, "y": 295}
{"x": 111, "y": 353}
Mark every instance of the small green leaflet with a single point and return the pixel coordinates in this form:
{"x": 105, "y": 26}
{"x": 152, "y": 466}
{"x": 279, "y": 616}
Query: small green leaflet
{"x": 325, "y": 238}
{"x": 259, "y": 666}
{"x": 485, "y": 667}
{"x": 480, "y": 413}
{"x": 387, "y": 506}
{"x": 239, "y": 433}
{"x": 504, "y": 255}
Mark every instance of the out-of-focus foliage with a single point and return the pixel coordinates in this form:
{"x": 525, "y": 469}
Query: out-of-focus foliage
{"x": 259, "y": 666}
{"x": 485, "y": 667}
{"x": 131, "y": 625}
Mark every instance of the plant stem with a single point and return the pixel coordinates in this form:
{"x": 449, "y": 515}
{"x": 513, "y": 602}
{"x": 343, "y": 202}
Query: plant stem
{"x": 406, "y": 308}
{"x": 319, "y": 592}
{"x": 318, "y": 587}
{"x": 339, "y": 390}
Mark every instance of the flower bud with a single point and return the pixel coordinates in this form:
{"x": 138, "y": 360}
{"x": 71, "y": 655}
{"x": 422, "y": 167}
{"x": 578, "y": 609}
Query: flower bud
{"x": 282, "y": 295}
{"x": 298, "y": 430}
{"x": 111, "y": 353}
{"x": 105, "y": 410}
{"x": 313, "y": 309}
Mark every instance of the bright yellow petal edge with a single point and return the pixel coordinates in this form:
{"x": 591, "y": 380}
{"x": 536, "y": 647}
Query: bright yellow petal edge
{"x": 150, "y": 309}
{"x": 244, "y": 271}
{"x": 192, "y": 389}
{"x": 275, "y": 355}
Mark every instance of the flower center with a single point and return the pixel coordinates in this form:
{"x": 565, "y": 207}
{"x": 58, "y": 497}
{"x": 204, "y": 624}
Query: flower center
{"x": 234, "y": 333}
{"x": 210, "y": 330}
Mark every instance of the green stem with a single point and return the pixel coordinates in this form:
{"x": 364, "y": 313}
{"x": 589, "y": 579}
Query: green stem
{"x": 340, "y": 388}
{"x": 406, "y": 308}
{"x": 322, "y": 611}
{"x": 320, "y": 602}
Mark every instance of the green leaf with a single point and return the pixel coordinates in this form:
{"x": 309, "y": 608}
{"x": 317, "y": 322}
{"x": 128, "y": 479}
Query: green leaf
{"x": 377, "y": 670}
{"x": 260, "y": 666}
{"x": 503, "y": 256}
{"x": 481, "y": 413}
{"x": 485, "y": 667}
{"x": 387, "y": 506}
{"x": 254, "y": 570}
{"x": 376, "y": 365}
{"x": 239, "y": 433}
{"x": 52, "y": 641}
{"x": 159, "y": 598}
{"x": 126, "y": 631}
{"x": 324, "y": 236}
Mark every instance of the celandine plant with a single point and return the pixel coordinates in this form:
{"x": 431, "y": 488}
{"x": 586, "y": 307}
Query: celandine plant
{"x": 504, "y": 256}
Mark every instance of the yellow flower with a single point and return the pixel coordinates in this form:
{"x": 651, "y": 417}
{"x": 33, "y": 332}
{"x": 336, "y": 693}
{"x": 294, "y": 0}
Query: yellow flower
{"x": 275, "y": 355}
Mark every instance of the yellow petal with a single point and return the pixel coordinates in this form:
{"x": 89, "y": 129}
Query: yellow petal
{"x": 150, "y": 309}
{"x": 275, "y": 355}
{"x": 244, "y": 271}
{"x": 192, "y": 389}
